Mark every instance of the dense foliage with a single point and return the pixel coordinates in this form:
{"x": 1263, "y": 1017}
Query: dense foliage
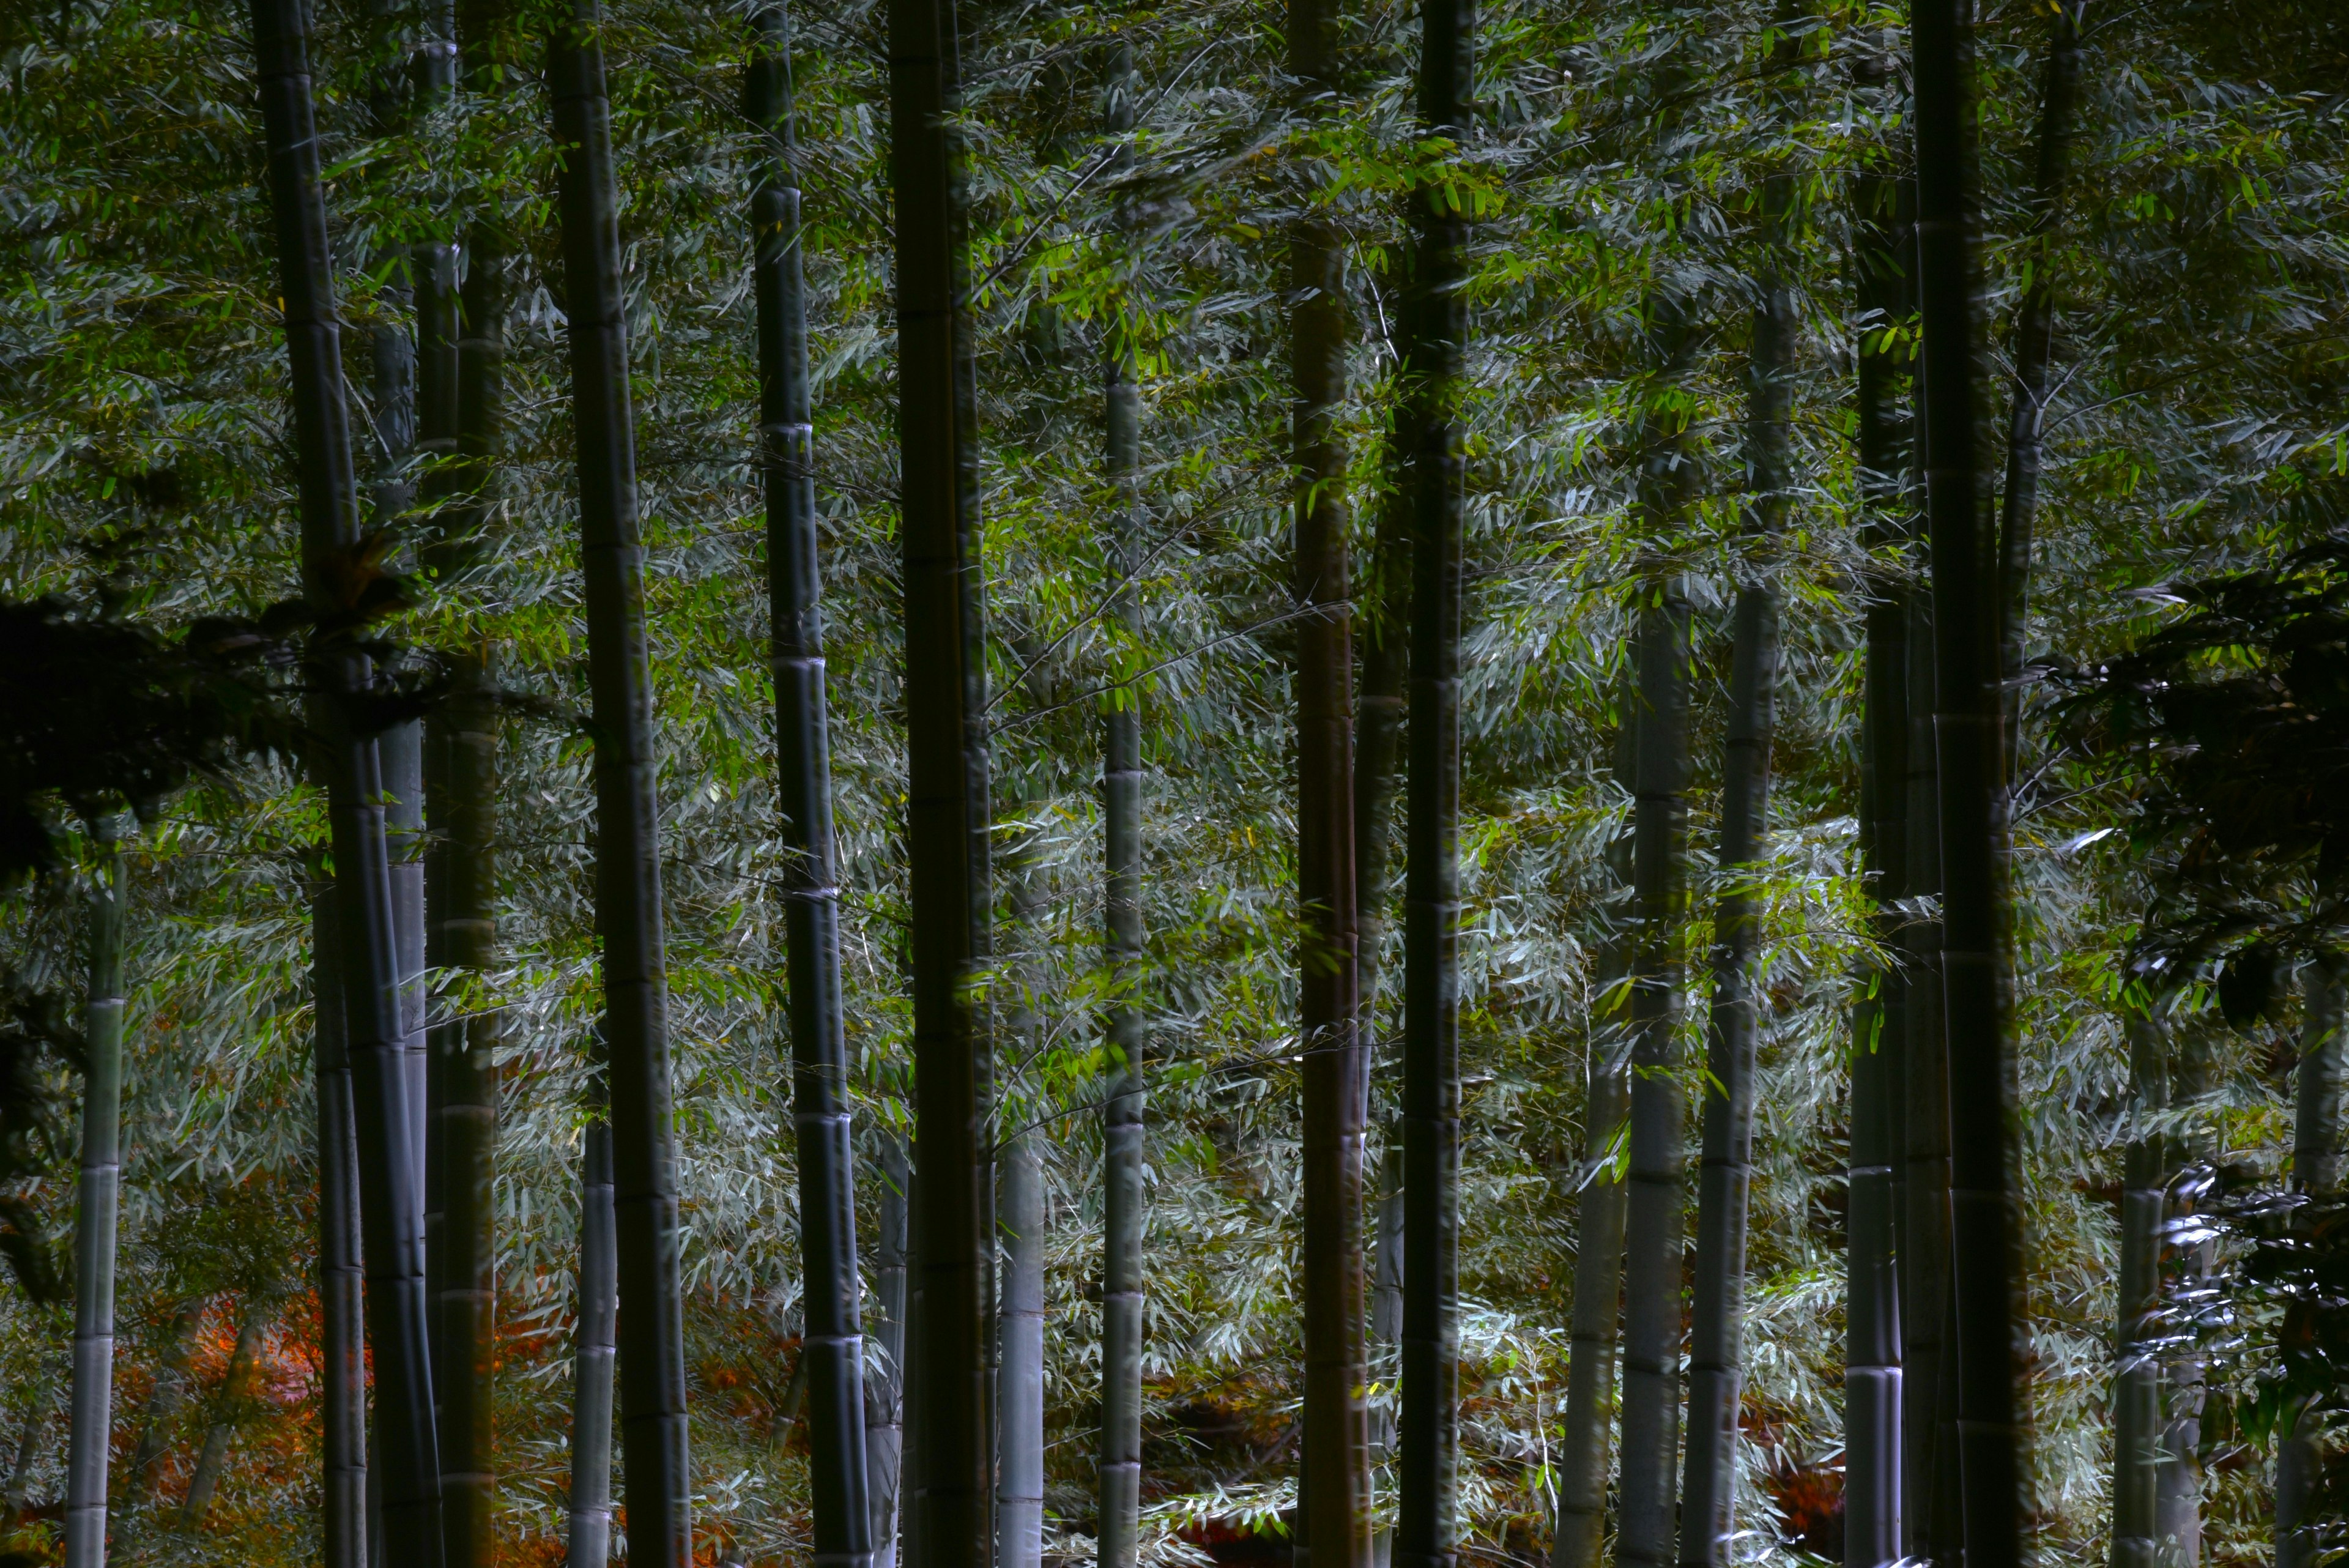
{"x": 2197, "y": 434}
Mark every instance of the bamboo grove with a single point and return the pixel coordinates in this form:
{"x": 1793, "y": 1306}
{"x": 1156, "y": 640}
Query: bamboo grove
{"x": 950, "y": 782}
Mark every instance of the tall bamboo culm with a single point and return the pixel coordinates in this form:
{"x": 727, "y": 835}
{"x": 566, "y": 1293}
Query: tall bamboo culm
{"x": 342, "y": 1277}
{"x": 1656, "y": 1197}
{"x": 1585, "y": 1446}
{"x": 398, "y": 1317}
{"x": 1019, "y": 1350}
{"x": 1655, "y": 1211}
{"x": 2317, "y": 1171}
{"x": 96, "y": 1195}
{"x": 885, "y": 1383}
{"x": 833, "y": 1358}
{"x": 596, "y": 1338}
{"x": 458, "y": 354}
{"x": 1983, "y": 1220}
{"x": 1427, "y": 1526}
{"x": 949, "y": 1473}
{"x": 401, "y": 744}
{"x": 1334, "y": 1489}
{"x": 2034, "y": 339}
{"x": 1123, "y": 1213}
{"x": 1725, "y": 1172}
{"x": 2137, "y": 1374}
{"x": 627, "y": 833}
{"x": 1873, "y": 1369}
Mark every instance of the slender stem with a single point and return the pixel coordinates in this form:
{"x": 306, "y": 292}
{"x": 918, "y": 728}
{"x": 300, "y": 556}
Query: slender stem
{"x": 1020, "y": 1483}
{"x": 460, "y": 414}
{"x": 231, "y": 1407}
{"x": 1984, "y": 1229}
{"x": 347, "y": 755}
{"x": 595, "y": 1342}
{"x": 1124, "y": 1205}
{"x": 2035, "y": 334}
{"x": 342, "y": 1281}
{"x": 1335, "y": 1487}
{"x": 1584, "y": 1452}
{"x": 1656, "y": 1203}
{"x": 1426, "y": 1533}
{"x": 945, "y": 834}
{"x": 627, "y": 837}
{"x": 2317, "y": 1170}
{"x": 1873, "y": 1370}
{"x": 885, "y": 1382}
{"x": 832, "y": 1358}
{"x": 1726, "y": 1171}
{"x": 90, "y": 1435}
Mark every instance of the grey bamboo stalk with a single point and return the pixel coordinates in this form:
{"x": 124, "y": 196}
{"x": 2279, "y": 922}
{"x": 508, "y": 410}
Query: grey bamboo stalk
{"x": 342, "y": 1278}
{"x": 1584, "y": 1449}
{"x": 1427, "y": 1522}
{"x": 627, "y": 833}
{"x": 461, "y": 334}
{"x": 459, "y": 866}
{"x": 1335, "y": 1483}
{"x": 1725, "y": 1175}
{"x": 1386, "y": 1313}
{"x": 1124, "y": 1213}
{"x": 1930, "y": 1489}
{"x": 2034, "y": 335}
{"x": 885, "y": 1383}
{"x": 1655, "y": 1204}
{"x": 1983, "y": 1219}
{"x": 832, "y": 1358}
{"x": 2136, "y": 1380}
{"x": 91, "y": 1433}
{"x": 397, "y": 1315}
{"x": 1726, "y": 1171}
{"x": 1020, "y": 1380}
{"x": 1927, "y": 1489}
{"x": 595, "y": 1343}
{"x": 951, "y": 1479}
{"x": 1873, "y": 1370}
{"x": 1655, "y": 1211}
{"x": 2190, "y": 1255}
{"x": 231, "y": 1407}
{"x": 401, "y": 744}
{"x": 2316, "y": 1166}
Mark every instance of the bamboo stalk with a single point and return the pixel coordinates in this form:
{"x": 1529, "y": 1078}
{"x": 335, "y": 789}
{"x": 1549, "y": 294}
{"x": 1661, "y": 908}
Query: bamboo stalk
{"x": 1124, "y": 1205}
{"x": 1874, "y": 1388}
{"x": 96, "y": 1200}
{"x": 1334, "y": 1485}
{"x": 460, "y": 354}
{"x": 2034, "y": 336}
{"x": 1585, "y": 1446}
{"x": 595, "y": 1340}
{"x": 1656, "y": 1203}
{"x": 2136, "y": 1383}
{"x": 832, "y": 1354}
{"x": 653, "y": 1421}
{"x": 1726, "y": 1171}
{"x": 945, "y": 834}
{"x": 1020, "y": 1381}
{"x": 1984, "y": 1221}
{"x": 343, "y": 1447}
{"x": 370, "y": 971}
{"x": 885, "y": 1383}
{"x": 230, "y": 1409}
{"x": 1427, "y": 1527}
{"x": 2317, "y": 1171}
